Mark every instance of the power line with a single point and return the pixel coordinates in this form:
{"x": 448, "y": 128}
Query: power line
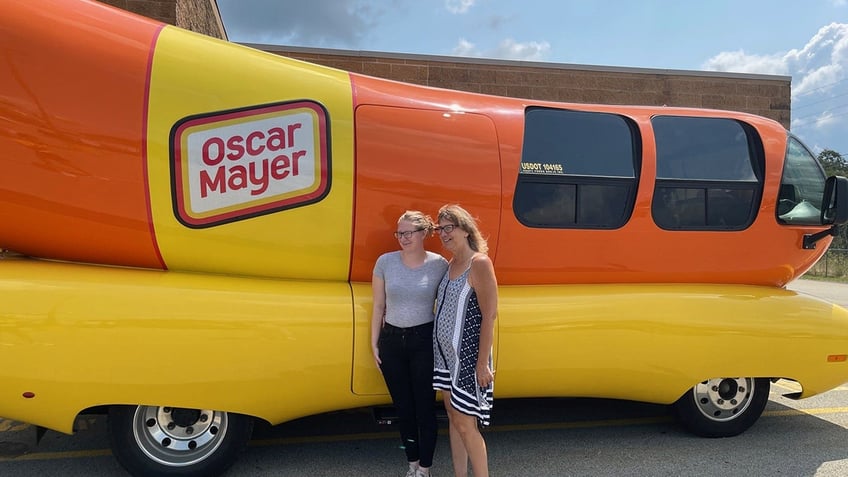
{"x": 822, "y": 105}
{"x": 828, "y": 110}
{"x": 809, "y": 92}
{"x": 822, "y": 100}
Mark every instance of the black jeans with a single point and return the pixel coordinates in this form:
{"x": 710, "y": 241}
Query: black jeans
{"x": 407, "y": 366}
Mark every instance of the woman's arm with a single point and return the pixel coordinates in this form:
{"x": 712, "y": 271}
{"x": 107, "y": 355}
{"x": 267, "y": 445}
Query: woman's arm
{"x": 482, "y": 279}
{"x": 378, "y": 313}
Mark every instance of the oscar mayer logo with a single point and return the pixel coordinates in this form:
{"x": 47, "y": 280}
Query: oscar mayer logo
{"x": 234, "y": 165}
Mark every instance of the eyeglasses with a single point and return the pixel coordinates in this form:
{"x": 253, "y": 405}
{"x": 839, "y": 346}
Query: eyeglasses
{"x": 445, "y": 228}
{"x": 406, "y": 234}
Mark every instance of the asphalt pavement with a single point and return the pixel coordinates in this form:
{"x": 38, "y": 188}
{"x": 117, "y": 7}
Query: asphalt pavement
{"x": 833, "y": 292}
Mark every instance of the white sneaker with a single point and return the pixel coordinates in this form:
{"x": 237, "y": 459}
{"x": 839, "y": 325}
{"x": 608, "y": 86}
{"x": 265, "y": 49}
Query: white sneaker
{"x": 412, "y": 472}
{"x": 420, "y": 473}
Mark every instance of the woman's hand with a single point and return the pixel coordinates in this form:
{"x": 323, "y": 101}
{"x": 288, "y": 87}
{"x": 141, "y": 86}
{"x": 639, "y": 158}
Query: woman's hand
{"x": 375, "y": 350}
{"x": 485, "y": 376}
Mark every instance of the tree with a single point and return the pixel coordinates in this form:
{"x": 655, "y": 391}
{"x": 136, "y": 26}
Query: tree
{"x": 834, "y": 164}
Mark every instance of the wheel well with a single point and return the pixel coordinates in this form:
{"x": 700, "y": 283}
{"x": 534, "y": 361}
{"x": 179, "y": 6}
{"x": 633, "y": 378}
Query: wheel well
{"x": 103, "y": 409}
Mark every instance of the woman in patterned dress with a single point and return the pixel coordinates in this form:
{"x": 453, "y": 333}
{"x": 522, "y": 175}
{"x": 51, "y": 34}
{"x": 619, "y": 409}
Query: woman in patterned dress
{"x": 466, "y": 308}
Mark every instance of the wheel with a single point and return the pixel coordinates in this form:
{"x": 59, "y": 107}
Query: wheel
{"x": 723, "y": 407}
{"x": 164, "y": 441}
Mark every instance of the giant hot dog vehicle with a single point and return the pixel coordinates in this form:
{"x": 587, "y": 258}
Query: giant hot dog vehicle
{"x": 189, "y": 228}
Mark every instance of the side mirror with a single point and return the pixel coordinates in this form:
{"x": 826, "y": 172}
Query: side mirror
{"x": 834, "y": 210}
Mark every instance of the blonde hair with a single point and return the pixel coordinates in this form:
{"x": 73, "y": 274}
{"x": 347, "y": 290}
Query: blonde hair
{"x": 460, "y": 217}
{"x": 419, "y": 219}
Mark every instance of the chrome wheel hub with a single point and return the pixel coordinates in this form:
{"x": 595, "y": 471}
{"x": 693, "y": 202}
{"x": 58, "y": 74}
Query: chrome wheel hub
{"x": 176, "y": 436}
{"x": 722, "y": 399}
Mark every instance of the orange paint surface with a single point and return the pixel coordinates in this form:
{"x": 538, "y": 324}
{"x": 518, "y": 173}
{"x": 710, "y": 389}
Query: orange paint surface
{"x": 72, "y": 103}
{"x": 404, "y": 162}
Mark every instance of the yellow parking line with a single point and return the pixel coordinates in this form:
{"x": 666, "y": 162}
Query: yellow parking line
{"x": 392, "y": 435}
{"x": 788, "y": 385}
{"x": 795, "y": 387}
{"x": 7, "y": 425}
{"x": 58, "y": 455}
{"x": 813, "y": 411}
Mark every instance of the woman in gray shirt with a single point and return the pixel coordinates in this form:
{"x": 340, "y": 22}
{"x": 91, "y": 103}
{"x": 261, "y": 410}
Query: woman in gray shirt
{"x": 404, "y": 288}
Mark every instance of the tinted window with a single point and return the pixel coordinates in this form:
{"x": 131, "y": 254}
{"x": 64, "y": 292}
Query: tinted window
{"x": 702, "y": 207}
{"x": 580, "y": 143}
{"x": 578, "y": 169}
{"x": 703, "y": 149}
{"x": 801, "y": 187}
{"x": 709, "y": 173}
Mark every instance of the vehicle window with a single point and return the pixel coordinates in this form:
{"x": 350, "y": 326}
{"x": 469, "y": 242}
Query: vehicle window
{"x": 801, "y": 187}
{"x": 578, "y": 169}
{"x": 709, "y": 173}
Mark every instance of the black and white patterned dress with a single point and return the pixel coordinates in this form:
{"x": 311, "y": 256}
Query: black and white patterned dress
{"x": 456, "y": 342}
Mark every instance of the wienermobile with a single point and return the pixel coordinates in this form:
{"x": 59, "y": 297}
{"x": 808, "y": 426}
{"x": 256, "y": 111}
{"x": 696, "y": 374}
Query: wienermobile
{"x": 191, "y": 226}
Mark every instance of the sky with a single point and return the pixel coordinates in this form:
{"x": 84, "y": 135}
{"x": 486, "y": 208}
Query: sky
{"x": 805, "y": 40}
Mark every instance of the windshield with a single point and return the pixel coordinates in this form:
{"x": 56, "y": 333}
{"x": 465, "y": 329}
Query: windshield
{"x": 801, "y": 187}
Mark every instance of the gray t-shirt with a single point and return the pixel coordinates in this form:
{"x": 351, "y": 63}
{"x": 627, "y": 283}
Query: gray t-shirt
{"x": 410, "y": 292}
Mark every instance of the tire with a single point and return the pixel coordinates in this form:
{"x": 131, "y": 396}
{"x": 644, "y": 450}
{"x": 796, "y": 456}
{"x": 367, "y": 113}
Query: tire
{"x": 723, "y": 407}
{"x": 162, "y": 441}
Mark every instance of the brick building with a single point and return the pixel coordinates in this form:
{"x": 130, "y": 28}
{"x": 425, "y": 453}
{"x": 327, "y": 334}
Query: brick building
{"x": 765, "y": 95}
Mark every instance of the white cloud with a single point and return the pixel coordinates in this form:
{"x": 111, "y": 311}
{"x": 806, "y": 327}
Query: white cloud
{"x": 321, "y": 23}
{"x": 823, "y": 60}
{"x": 821, "y": 78}
{"x": 741, "y": 62}
{"x": 508, "y": 49}
{"x": 818, "y": 78}
{"x": 796, "y": 124}
{"x": 459, "y": 6}
{"x": 819, "y": 73}
{"x": 825, "y": 120}
{"x": 820, "y": 122}
{"x": 531, "y": 50}
{"x": 465, "y": 48}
